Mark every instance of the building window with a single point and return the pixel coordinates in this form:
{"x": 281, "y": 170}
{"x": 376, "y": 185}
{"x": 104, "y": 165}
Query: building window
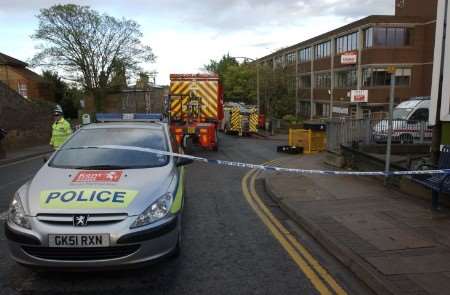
{"x": 373, "y": 77}
{"x": 290, "y": 58}
{"x": 304, "y": 55}
{"x": 403, "y": 77}
{"x": 323, "y": 81}
{"x": 304, "y": 82}
{"x": 22, "y": 89}
{"x": 368, "y": 37}
{"x": 345, "y": 79}
{"x": 291, "y": 84}
{"x": 347, "y": 43}
{"x": 323, "y": 50}
{"x": 387, "y": 37}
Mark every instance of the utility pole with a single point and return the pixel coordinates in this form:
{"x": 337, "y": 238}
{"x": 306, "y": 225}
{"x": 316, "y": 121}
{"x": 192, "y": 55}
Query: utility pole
{"x": 391, "y": 70}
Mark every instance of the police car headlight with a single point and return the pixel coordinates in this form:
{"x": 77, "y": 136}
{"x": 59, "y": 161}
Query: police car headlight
{"x": 155, "y": 212}
{"x": 16, "y": 213}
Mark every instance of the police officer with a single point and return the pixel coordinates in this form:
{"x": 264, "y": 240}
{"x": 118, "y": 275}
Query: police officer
{"x": 61, "y": 129}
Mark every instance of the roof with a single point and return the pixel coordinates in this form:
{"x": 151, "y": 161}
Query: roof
{"x": 139, "y": 125}
{"x": 352, "y": 26}
{"x": 11, "y": 61}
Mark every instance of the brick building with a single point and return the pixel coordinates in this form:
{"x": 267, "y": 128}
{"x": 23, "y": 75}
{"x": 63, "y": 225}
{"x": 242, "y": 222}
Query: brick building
{"x": 15, "y": 74}
{"x": 131, "y": 100}
{"x": 322, "y": 81}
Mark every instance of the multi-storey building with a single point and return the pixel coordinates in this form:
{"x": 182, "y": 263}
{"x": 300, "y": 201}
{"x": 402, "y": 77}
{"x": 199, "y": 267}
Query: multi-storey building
{"x": 372, "y": 45}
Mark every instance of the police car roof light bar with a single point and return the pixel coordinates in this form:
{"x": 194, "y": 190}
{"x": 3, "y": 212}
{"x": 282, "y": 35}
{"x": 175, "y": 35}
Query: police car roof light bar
{"x": 129, "y": 117}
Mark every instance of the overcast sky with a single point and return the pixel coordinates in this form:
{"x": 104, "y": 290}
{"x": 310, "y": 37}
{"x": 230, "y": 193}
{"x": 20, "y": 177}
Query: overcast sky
{"x": 185, "y": 35}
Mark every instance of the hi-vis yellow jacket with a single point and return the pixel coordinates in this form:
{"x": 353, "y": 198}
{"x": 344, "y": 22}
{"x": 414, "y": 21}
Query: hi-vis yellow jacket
{"x": 61, "y": 130}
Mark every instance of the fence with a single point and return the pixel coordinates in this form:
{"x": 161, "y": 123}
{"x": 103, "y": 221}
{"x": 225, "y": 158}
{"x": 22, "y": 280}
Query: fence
{"x": 349, "y": 131}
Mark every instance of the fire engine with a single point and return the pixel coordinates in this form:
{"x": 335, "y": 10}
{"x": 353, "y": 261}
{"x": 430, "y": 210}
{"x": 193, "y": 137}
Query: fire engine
{"x": 195, "y": 109}
{"x": 240, "y": 119}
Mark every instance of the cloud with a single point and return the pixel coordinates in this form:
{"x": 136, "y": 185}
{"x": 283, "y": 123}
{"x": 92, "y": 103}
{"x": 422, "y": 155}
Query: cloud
{"x": 185, "y": 35}
{"x": 221, "y": 15}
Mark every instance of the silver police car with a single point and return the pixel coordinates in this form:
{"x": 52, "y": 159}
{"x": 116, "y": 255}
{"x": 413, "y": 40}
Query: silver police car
{"x": 96, "y": 207}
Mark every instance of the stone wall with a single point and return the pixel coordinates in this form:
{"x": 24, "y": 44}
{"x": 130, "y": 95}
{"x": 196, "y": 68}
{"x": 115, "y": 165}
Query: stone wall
{"x": 27, "y": 122}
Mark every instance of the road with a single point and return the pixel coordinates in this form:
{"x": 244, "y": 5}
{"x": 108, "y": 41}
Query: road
{"x": 230, "y": 245}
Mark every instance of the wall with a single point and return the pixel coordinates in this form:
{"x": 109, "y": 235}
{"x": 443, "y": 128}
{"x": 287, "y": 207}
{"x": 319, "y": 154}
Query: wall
{"x": 37, "y": 89}
{"x": 28, "y": 123}
{"x": 130, "y": 102}
{"x": 422, "y": 8}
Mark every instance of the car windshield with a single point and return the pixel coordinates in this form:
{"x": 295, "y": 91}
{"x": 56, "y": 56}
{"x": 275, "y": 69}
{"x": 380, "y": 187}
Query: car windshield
{"x": 401, "y": 114}
{"x": 80, "y": 152}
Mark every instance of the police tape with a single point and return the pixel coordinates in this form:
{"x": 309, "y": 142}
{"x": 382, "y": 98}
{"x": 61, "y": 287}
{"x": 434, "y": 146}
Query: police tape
{"x": 272, "y": 168}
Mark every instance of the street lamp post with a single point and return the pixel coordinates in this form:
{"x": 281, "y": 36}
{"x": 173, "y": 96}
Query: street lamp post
{"x": 392, "y": 70}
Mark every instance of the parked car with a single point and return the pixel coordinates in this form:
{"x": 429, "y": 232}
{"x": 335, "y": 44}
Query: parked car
{"x": 410, "y": 123}
{"x": 92, "y": 206}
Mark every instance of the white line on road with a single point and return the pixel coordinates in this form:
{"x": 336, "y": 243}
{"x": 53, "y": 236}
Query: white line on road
{"x": 3, "y": 215}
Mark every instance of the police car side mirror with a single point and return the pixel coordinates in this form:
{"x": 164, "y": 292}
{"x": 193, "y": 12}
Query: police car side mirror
{"x": 184, "y": 161}
{"x": 44, "y": 159}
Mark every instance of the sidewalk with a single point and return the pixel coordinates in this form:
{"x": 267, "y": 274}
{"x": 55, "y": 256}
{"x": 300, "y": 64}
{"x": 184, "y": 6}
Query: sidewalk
{"x": 26, "y": 153}
{"x": 268, "y": 136}
{"x": 388, "y": 239}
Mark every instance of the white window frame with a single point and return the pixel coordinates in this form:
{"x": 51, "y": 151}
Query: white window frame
{"x": 22, "y": 89}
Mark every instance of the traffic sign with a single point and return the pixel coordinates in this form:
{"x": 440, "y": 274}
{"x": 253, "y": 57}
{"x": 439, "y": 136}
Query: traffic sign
{"x": 358, "y": 96}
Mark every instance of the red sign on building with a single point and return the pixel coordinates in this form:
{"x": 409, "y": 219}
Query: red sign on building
{"x": 98, "y": 176}
{"x": 349, "y": 58}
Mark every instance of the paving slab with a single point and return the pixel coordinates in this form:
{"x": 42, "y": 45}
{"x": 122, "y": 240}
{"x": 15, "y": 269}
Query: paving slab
{"x": 390, "y": 240}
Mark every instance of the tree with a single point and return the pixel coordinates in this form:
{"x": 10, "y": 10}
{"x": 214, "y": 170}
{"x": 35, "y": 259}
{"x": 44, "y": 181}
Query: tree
{"x": 68, "y": 97}
{"x": 220, "y": 67}
{"x": 87, "y": 46}
{"x": 56, "y": 86}
{"x": 277, "y": 91}
{"x": 119, "y": 77}
{"x": 143, "y": 80}
{"x": 239, "y": 80}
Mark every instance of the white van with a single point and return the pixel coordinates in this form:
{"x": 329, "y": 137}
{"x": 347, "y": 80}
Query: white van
{"x": 410, "y": 123}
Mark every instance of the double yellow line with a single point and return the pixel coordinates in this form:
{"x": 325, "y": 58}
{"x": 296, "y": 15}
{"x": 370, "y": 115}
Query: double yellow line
{"x": 324, "y": 283}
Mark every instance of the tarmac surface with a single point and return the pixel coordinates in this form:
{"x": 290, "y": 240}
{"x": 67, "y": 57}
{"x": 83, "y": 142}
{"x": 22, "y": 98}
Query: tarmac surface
{"x": 226, "y": 248}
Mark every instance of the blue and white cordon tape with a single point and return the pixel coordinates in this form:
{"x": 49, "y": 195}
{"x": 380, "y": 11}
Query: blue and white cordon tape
{"x": 271, "y": 168}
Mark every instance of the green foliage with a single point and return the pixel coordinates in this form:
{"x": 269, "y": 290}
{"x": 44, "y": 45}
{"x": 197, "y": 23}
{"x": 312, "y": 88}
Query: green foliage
{"x": 56, "y": 86}
{"x": 143, "y": 80}
{"x": 277, "y": 86}
{"x": 68, "y": 97}
{"x": 118, "y": 76}
{"x": 277, "y": 98}
{"x": 239, "y": 80}
{"x": 221, "y": 66}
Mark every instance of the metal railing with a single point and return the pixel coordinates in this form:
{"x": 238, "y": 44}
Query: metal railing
{"x": 350, "y": 131}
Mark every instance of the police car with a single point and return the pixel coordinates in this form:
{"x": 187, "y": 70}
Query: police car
{"x": 95, "y": 206}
